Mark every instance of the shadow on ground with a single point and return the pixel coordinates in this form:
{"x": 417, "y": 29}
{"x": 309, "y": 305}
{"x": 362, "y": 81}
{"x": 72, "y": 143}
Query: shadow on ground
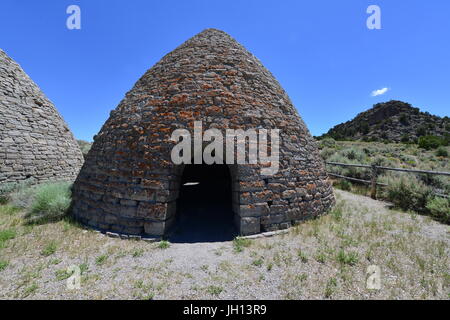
{"x": 204, "y": 224}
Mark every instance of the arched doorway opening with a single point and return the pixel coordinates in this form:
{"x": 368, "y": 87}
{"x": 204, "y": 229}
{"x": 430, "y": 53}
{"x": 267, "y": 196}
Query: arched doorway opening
{"x": 204, "y": 205}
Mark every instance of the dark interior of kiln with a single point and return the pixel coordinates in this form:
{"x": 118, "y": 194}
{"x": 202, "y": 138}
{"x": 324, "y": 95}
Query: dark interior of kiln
{"x": 204, "y": 209}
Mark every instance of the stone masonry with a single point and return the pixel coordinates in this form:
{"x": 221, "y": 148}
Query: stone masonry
{"x": 128, "y": 183}
{"x": 35, "y": 142}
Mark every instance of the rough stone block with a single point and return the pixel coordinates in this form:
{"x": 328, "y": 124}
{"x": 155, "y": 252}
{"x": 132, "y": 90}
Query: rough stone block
{"x": 128, "y": 211}
{"x": 253, "y": 210}
{"x": 156, "y": 211}
{"x": 248, "y": 225}
{"x": 157, "y": 228}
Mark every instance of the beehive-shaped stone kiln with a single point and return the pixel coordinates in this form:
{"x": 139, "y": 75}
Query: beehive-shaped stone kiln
{"x": 35, "y": 142}
{"x": 129, "y": 184}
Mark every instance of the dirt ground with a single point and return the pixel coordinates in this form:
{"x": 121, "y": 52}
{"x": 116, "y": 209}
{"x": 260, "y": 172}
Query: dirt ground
{"x": 326, "y": 258}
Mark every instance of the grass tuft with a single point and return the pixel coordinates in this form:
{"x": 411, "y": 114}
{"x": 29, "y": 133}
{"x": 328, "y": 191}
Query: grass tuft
{"x": 164, "y": 244}
{"x": 49, "y": 249}
{"x": 330, "y": 288}
{"x": 101, "y": 259}
{"x": 350, "y": 258}
{"x": 6, "y": 235}
{"x": 137, "y": 253}
{"x": 302, "y": 255}
{"x": 62, "y": 274}
{"x": 30, "y": 290}
{"x": 214, "y": 290}
{"x": 3, "y": 264}
{"x": 8, "y": 210}
{"x": 240, "y": 243}
{"x": 258, "y": 262}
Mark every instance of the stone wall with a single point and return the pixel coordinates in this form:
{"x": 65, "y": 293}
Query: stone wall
{"x": 35, "y": 142}
{"x": 129, "y": 184}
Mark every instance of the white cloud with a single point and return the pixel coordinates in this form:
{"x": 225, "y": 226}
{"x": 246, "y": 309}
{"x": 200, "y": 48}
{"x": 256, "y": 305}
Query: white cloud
{"x": 379, "y": 92}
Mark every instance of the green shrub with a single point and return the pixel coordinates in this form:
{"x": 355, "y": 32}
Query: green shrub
{"x": 405, "y": 138}
{"x": 421, "y": 131}
{"x": 439, "y": 208}
{"x": 430, "y": 142}
{"x": 50, "y": 202}
{"x": 7, "y": 189}
{"x": 363, "y": 128}
{"x": 382, "y": 161}
{"x": 407, "y": 193}
{"x": 404, "y": 119}
{"x": 328, "y": 142}
{"x": 355, "y": 154}
{"x": 367, "y": 151}
{"x": 23, "y": 198}
{"x": 446, "y": 139}
{"x": 410, "y": 160}
{"x": 442, "y": 152}
{"x": 326, "y": 152}
{"x": 343, "y": 157}
{"x": 345, "y": 185}
{"x": 351, "y": 154}
{"x": 85, "y": 146}
{"x": 369, "y": 139}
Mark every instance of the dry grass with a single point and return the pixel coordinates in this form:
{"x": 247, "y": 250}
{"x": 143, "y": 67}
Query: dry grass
{"x": 326, "y": 258}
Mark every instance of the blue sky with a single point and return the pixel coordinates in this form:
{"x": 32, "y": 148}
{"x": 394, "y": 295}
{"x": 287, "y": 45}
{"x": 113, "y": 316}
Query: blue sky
{"x": 320, "y": 51}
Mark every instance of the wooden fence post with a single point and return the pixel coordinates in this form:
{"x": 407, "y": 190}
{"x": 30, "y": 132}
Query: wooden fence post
{"x": 373, "y": 188}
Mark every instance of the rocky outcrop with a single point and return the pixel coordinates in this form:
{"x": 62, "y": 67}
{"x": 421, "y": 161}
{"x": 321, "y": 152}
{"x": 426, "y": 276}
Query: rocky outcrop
{"x": 35, "y": 142}
{"x": 393, "y": 121}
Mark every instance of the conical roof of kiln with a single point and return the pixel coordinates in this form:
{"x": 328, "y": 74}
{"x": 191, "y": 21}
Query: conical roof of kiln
{"x": 35, "y": 142}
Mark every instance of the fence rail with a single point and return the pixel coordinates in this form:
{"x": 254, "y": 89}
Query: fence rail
{"x": 374, "y": 175}
{"x": 355, "y": 179}
{"x": 349, "y": 165}
{"x": 442, "y": 173}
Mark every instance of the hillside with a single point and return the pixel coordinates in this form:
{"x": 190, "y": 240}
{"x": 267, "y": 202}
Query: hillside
{"x": 85, "y": 146}
{"x": 393, "y": 121}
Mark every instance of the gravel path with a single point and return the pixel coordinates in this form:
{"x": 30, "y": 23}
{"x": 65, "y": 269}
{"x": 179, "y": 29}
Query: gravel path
{"x": 324, "y": 258}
